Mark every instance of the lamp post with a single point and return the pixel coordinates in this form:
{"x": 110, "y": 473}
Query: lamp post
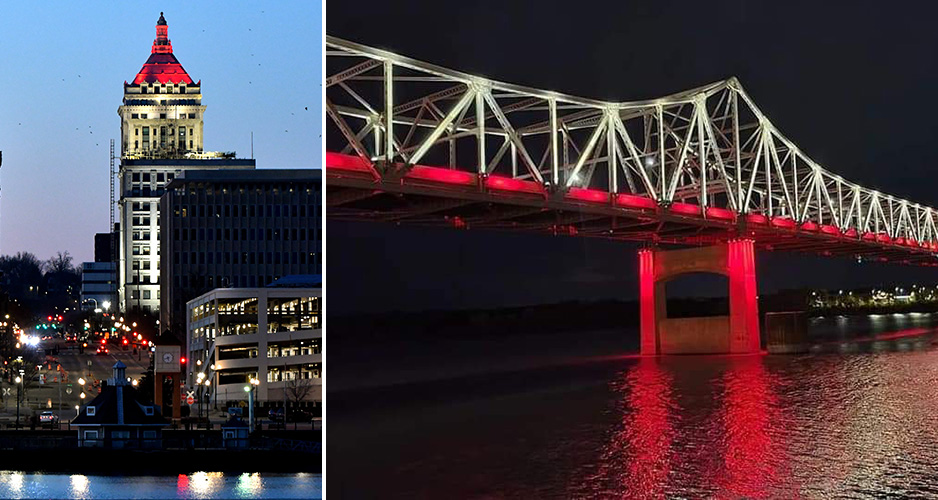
{"x": 198, "y": 382}
{"x": 208, "y": 383}
{"x": 19, "y": 382}
{"x": 81, "y": 396}
{"x": 250, "y": 390}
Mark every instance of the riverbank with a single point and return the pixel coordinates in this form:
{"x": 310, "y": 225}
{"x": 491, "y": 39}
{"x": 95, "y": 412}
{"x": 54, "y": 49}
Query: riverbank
{"x": 158, "y": 463}
{"x": 183, "y": 452}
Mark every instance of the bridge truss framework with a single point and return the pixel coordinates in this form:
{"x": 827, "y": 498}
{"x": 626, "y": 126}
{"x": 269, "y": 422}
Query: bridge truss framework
{"x": 410, "y": 141}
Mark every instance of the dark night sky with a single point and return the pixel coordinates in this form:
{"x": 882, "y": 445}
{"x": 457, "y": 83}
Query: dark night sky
{"x": 851, "y": 84}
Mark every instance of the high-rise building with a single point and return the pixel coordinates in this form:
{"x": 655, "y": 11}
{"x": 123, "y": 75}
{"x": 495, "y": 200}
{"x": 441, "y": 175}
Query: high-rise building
{"x": 235, "y": 230}
{"x": 162, "y": 111}
{"x": 161, "y": 136}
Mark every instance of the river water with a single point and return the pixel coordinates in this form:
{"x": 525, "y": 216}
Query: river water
{"x": 855, "y": 418}
{"x": 196, "y": 485}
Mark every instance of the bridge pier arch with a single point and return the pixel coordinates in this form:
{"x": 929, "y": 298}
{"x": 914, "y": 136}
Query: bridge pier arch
{"x": 736, "y": 333}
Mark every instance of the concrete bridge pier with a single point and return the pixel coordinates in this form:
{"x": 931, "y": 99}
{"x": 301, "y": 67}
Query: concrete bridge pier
{"x": 736, "y": 333}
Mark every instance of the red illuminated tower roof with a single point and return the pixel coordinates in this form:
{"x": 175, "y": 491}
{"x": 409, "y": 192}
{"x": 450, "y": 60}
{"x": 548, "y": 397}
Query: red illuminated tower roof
{"x": 162, "y": 66}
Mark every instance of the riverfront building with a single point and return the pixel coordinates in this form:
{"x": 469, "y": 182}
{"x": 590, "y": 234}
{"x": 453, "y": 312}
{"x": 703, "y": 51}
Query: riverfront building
{"x": 118, "y": 417}
{"x": 272, "y": 335}
{"x": 161, "y": 137}
{"x": 236, "y": 229}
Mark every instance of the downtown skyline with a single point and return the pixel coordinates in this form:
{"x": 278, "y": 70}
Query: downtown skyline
{"x": 260, "y": 70}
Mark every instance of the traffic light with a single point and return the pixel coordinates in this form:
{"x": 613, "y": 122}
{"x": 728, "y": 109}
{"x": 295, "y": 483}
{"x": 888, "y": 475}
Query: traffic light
{"x": 182, "y": 360}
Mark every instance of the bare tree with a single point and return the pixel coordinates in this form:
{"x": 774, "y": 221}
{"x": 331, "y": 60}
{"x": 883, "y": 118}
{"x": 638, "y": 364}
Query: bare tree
{"x": 297, "y": 390}
{"x": 60, "y": 263}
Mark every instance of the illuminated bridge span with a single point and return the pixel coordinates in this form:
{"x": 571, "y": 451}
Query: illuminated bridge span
{"x": 409, "y": 141}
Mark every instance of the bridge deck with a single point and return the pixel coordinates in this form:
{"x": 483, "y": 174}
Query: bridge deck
{"x": 463, "y": 200}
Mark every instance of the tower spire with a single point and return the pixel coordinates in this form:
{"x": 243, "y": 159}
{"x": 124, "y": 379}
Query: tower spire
{"x": 162, "y": 45}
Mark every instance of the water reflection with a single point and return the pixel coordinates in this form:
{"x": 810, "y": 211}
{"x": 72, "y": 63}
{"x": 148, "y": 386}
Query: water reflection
{"x": 79, "y": 485}
{"x": 204, "y": 482}
{"x": 16, "y": 482}
{"x": 855, "y": 418}
{"x": 197, "y": 485}
{"x": 249, "y": 484}
{"x": 749, "y": 416}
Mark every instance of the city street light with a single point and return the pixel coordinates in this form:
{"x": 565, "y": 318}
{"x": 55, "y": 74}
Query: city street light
{"x": 19, "y": 382}
{"x": 250, "y": 390}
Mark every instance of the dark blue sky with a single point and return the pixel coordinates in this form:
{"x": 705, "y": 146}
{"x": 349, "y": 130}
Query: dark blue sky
{"x": 62, "y": 69}
{"x": 851, "y": 84}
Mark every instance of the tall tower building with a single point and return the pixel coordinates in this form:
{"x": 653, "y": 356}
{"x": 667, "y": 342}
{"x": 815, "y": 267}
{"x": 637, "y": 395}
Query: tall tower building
{"x": 162, "y": 112}
{"x": 161, "y": 137}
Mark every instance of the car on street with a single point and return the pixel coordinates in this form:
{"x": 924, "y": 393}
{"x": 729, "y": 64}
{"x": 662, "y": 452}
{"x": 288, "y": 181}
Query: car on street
{"x": 275, "y": 414}
{"x": 48, "y": 418}
{"x": 102, "y": 351}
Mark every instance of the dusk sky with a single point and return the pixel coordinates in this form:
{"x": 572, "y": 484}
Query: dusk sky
{"x": 61, "y": 82}
{"x": 851, "y": 85}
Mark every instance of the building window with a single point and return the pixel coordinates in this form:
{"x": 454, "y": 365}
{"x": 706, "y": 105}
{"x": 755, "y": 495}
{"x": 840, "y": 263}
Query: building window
{"x": 146, "y": 295}
{"x": 143, "y": 116}
{"x": 89, "y": 410}
{"x": 191, "y": 115}
{"x": 163, "y": 115}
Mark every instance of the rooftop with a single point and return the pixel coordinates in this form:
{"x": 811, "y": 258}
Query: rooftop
{"x": 257, "y": 175}
{"x": 162, "y": 66}
{"x": 298, "y": 281}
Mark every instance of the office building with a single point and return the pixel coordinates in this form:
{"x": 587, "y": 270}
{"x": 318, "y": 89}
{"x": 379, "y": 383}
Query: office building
{"x": 246, "y": 228}
{"x": 161, "y": 137}
{"x": 98, "y": 285}
{"x": 272, "y": 335}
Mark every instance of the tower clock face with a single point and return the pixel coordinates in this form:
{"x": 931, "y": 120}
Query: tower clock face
{"x": 167, "y": 358}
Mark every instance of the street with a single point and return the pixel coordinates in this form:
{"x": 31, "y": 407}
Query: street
{"x": 61, "y": 394}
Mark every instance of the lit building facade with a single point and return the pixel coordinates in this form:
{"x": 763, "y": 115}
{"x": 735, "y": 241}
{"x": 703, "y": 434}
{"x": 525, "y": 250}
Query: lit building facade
{"x": 236, "y": 229}
{"x": 272, "y": 335}
{"x": 161, "y": 137}
{"x": 162, "y": 111}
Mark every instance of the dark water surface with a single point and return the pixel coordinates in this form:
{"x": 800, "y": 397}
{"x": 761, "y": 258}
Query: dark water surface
{"x": 855, "y": 418}
{"x": 196, "y": 485}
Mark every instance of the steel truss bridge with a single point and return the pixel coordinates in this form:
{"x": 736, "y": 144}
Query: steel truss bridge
{"x": 413, "y": 142}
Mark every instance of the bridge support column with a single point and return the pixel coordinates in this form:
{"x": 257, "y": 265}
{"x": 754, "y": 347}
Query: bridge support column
{"x": 738, "y": 333}
{"x": 744, "y": 306}
{"x": 648, "y": 301}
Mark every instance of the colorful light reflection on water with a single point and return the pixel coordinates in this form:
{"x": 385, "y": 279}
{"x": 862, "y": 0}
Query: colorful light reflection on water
{"x": 196, "y": 485}
{"x": 857, "y": 422}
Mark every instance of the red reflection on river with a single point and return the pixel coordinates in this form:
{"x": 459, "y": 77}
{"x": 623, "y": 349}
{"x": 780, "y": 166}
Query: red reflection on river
{"x": 649, "y": 429}
{"x": 749, "y": 416}
{"x": 637, "y": 459}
